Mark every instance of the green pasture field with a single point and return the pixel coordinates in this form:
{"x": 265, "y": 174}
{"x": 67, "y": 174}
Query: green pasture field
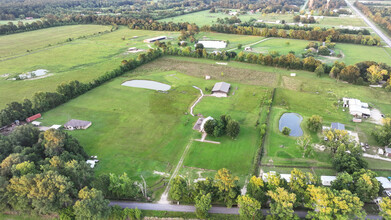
{"x": 352, "y": 53}
{"x": 205, "y": 18}
{"x": 81, "y": 59}
{"x": 133, "y": 130}
{"x": 16, "y": 44}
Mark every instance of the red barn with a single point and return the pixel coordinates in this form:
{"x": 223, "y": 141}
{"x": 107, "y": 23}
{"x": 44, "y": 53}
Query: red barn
{"x": 34, "y": 117}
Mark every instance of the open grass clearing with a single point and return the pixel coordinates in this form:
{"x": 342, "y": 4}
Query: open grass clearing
{"x": 81, "y": 59}
{"x": 11, "y": 45}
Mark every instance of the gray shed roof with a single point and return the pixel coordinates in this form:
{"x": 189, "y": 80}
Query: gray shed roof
{"x": 337, "y": 126}
{"x": 77, "y": 123}
{"x": 221, "y": 87}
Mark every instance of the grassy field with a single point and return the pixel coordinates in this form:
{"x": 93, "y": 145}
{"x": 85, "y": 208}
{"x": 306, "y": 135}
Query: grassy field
{"x": 206, "y": 18}
{"x": 10, "y": 45}
{"x": 81, "y": 59}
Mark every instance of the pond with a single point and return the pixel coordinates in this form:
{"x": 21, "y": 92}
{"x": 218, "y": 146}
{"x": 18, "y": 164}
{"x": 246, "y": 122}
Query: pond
{"x": 147, "y": 84}
{"x": 292, "y": 121}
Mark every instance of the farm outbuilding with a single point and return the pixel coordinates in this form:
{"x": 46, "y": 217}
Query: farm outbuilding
{"x": 386, "y": 184}
{"x": 34, "y": 117}
{"x": 221, "y": 89}
{"x": 77, "y": 124}
{"x": 356, "y": 107}
{"x": 151, "y": 40}
{"x": 213, "y": 44}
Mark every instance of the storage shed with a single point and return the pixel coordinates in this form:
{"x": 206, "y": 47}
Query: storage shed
{"x": 221, "y": 89}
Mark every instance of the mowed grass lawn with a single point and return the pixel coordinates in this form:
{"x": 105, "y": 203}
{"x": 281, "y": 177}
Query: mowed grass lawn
{"x": 81, "y": 59}
{"x": 133, "y": 130}
{"x": 19, "y": 43}
{"x": 236, "y": 155}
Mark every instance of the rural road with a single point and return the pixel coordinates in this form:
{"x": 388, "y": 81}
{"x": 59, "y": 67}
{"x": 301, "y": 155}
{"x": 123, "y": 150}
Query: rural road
{"x": 190, "y": 208}
{"x": 377, "y": 30}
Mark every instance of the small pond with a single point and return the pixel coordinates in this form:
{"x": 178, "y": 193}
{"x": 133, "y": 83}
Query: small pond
{"x": 292, "y": 121}
{"x": 147, "y": 84}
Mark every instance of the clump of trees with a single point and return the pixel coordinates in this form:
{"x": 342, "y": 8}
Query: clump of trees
{"x": 383, "y": 133}
{"x": 286, "y": 131}
{"x": 225, "y": 126}
{"x": 314, "y": 123}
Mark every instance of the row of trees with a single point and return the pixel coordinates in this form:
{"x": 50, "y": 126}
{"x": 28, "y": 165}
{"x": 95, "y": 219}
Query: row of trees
{"x": 330, "y": 35}
{"x": 44, "y": 101}
{"x": 380, "y": 15}
{"x": 344, "y": 200}
{"x": 255, "y": 23}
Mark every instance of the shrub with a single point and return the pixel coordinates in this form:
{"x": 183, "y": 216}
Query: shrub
{"x": 286, "y": 131}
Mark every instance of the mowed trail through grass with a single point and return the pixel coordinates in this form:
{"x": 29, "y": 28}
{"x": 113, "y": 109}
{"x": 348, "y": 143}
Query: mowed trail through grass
{"x": 81, "y": 59}
{"x": 19, "y": 43}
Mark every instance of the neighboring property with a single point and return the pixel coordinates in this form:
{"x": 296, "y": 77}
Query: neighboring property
{"x": 56, "y": 127}
{"x": 212, "y": 44}
{"x": 357, "y": 108}
{"x": 326, "y": 180}
{"x": 337, "y": 126}
{"x": 151, "y": 40}
{"x": 221, "y": 89}
{"x": 387, "y": 152}
{"x": 77, "y": 124}
{"x": 386, "y": 184}
{"x": 34, "y": 117}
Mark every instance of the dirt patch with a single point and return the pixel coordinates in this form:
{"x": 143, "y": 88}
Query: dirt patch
{"x": 291, "y": 83}
{"x": 247, "y": 76}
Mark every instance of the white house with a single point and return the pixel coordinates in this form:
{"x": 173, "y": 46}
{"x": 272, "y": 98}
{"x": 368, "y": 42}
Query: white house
{"x": 386, "y": 184}
{"x": 77, "y": 124}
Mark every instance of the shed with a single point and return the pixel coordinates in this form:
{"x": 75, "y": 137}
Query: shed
{"x": 293, "y": 74}
{"x": 36, "y": 123}
{"x": 34, "y": 117}
{"x": 386, "y": 184}
{"x": 380, "y": 151}
{"x": 221, "y": 89}
{"x": 77, "y": 124}
{"x": 197, "y": 125}
{"x": 56, "y": 126}
{"x": 326, "y": 180}
{"x": 337, "y": 126}
{"x": 388, "y": 152}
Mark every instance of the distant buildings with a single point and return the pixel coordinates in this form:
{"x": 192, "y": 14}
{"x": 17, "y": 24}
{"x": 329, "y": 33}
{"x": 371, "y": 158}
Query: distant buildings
{"x": 74, "y": 124}
{"x": 221, "y": 89}
{"x": 151, "y": 40}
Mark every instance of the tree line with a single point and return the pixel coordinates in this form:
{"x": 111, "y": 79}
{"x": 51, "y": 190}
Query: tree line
{"x": 380, "y": 15}
{"x": 44, "y": 101}
{"x": 254, "y": 23}
{"x": 317, "y": 34}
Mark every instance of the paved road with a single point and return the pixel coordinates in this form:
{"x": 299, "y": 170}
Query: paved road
{"x": 377, "y": 30}
{"x": 189, "y": 208}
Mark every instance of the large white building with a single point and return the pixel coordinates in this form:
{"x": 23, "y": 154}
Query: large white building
{"x": 356, "y": 107}
{"x": 209, "y": 44}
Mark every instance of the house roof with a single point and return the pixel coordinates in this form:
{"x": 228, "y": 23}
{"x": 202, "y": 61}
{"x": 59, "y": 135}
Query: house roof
{"x": 197, "y": 125}
{"x": 384, "y": 182}
{"x": 34, "y": 117}
{"x": 327, "y": 179}
{"x": 337, "y": 126}
{"x": 388, "y": 150}
{"x": 77, "y": 123}
{"x": 221, "y": 87}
